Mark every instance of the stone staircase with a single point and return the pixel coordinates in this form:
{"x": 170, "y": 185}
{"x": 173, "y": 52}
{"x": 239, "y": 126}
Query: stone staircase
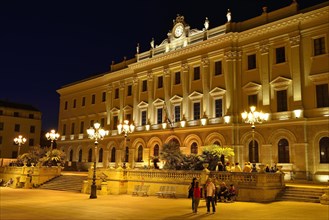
{"x": 71, "y": 183}
{"x": 301, "y": 194}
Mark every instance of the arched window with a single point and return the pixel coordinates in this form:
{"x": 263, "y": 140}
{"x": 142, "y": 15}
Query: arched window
{"x": 113, "y": 154}
{"x": 217, "y": 143}
{"x": 283, "y": 151}
{"x": 140, "y": 154}
{"x": 100, "y": 155}
{"x": 174, "y": 141}
{"x": 253, "y": 152}
{"x": 156, "y": 151}
{"x": 71, "y": 155}
{"x": 90, "y": 155}
{"x": 324, "y": 150}
{"x": 80, "y": 155}
{"x": 127, "y": 154}
{"x": 194, "y": 148}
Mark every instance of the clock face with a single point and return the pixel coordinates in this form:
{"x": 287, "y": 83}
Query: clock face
{"x": 178, "y": 30}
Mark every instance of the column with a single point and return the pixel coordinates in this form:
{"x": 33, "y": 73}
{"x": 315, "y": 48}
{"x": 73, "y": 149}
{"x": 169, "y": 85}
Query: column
{"x": 185, "y": 85}
{"x": 135, "y": 100}
{"x": 295, "y": 71}
{"x": 150, "y": 91}
{"x": 122, "y": 101}
{"x": 205, "y": 85}
{"x": 264, "y": 66}
{"x": 109, "y": 103}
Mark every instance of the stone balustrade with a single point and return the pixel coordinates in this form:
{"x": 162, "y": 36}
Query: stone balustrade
{"x": 258, "y": 187}
{"x": 33, "y": 175}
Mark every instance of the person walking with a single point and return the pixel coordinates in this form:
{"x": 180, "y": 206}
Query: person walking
{"x": 191, "y": 191}
{"x": 210, "y": 196}
{"x": 197, "y": 196}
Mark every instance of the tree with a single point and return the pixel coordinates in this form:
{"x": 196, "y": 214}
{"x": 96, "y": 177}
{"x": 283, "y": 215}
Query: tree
{"x": 212, "y": 154}
{"x": 172, "y": 156}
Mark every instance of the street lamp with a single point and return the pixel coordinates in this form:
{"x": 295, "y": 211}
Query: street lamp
{"x": 95, "y": 133}
{"x": 126, "y": 128}
{"x": 253, "y": 117}
{"x": 52, "y": 136}
{"x": 20, "y": 140}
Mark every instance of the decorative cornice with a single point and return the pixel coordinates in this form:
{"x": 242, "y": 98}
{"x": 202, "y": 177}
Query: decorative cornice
{"x": 205, "y": 61}
{"x": 185, "y": 67}
{"x": 264, "y": 47}
{"x": 294, "y": 41}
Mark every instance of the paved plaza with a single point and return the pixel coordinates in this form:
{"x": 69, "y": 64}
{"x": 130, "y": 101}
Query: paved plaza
{"x": 35, "y": 204}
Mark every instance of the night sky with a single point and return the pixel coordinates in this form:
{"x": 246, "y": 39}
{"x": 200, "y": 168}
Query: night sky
{"x": 45, "y": 45}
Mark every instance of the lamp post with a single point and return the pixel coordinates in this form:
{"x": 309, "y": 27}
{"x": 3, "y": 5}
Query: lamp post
{"x": 253, "y": 117}
{"x": 20, "y": 140}
{"x": 126, "y": 128}
{"x": 95, "y": 133}
{"x": 52, "y": 136}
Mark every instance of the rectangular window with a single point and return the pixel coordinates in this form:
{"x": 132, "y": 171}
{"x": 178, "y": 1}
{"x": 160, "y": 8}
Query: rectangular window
{"x": 196, "y": 110}
{"x": 72, "y": 128}
{"x": 177, "y": 113}
{"x": 115, "y": 122}
{"x": 196, "y": 73}
{"x": 64, "y": 129}
{"x": 102, "y": 122}
{"x": 160, "y": 82}
{"x": 322, "y": 96}
{"x": 31, "y": 142}
{"x": 2, "y": 126}
{"x": 0, "y": 139}
{"x": 91, "y": 123}
{"x": 252, "y": 62}
{"x": 17, "y": 127}
{"x": 319, "y": 46}
{"x": 280, "y": 55}
{"x": 159, "y": 115}
{"x": 32, "y": 129}
{"x": 218, "y": 68}
{"x": 74, "y": 103}
{"x": 83, "y": 102}
{"x": 218, "y": 108}
{"x": 103, "y": 96}
{"x": 16, "y": 114}
{"x": 144, "y": 86}
{"x": 177, "y": 78}
{"x": 65, "y": 105}
{"x": 1, "y": 112}
{"x": 128, "y": 117}
{"x": 252, "y": 100}
{"x": 31, "y": 116}
{"x": 93, "y": 99}
{"x": 129, "y": 92}
{"x": 282, "y": 104}
{"x": 116, "y": 93}
{"x": 82, "y": 127}
{"x": 143, "y": 119}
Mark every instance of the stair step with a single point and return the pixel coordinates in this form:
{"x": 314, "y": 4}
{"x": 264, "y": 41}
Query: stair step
{"x": 301, "y": 194}
{"x": 71, "y": 183}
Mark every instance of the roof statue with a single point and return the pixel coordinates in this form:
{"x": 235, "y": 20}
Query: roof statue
{"x": 228, "y": 15}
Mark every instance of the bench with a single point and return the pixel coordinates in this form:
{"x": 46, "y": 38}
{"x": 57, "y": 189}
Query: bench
{"x": 169, "y": 191}
{"x": 141, "y": 190}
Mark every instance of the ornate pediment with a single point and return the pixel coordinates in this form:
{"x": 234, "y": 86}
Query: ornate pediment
{"x": 280, "y": 83}
{"x": 143, "y": 104}
{"x": 251, "y": 87}
{"x": 114, "y": 109}
{"x": 158, "y": 102}
{"x": 176, "y": 99}
{"x": 217, "y": 92}
{"x": 195, "y": 95}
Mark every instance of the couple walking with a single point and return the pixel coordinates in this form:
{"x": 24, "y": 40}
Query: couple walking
{"x": 195, "y": 194}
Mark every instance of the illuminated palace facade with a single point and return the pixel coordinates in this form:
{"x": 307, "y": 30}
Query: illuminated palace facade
{"x": 277, "y": 62}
